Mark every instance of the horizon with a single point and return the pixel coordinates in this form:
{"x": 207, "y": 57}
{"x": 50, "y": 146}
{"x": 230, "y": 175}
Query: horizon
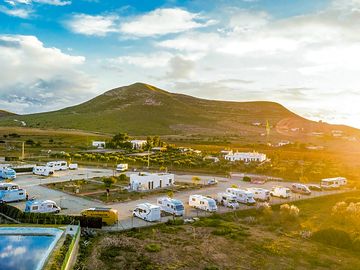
{"x": 301, "y": 54}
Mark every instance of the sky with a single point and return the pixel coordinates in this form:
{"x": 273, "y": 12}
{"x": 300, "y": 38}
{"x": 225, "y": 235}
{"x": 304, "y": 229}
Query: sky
{"x": 304, "y": 54}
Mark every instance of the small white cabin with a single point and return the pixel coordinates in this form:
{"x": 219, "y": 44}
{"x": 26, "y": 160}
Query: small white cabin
{"x": 148, "y": 212}
{"x": 331, "y": 183}
{"x": 202, "y": 203}
{"x": 43, "y": 170}
{"x": 46, "y": 206}
{"x": 227, "y": 199}
{"x": 138, "y": 144}
{"x": 242, "y": 195}
{"x": 246, "y": 157}
{"x": 99, "y": 144}
{"x": 171, "y": 206}
{"x": 58, "y": 165}
{"x": 73, "y": 166}
{"x": 148, "y": 181}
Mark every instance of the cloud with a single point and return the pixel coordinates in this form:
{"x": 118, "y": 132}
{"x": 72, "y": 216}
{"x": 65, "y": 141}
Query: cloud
{"x": 23, "y": 13}
{"x": 41, "y": 78}
{"x": 163, "y": 21}
{"x": 89, "y": 25}
{"x": 159, "y": 59}
{"x": 180, "y": 68}
{"x": 47, "y": 2}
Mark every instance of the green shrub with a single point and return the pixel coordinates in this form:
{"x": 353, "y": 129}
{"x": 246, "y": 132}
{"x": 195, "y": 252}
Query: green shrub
{"x": 153, "y": 247}
{"x": 333, "y": 237}
{"x": 247, "y": 179}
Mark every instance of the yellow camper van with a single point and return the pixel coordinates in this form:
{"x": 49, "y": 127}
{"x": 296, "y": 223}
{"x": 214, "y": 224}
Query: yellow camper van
{"x": 109, "y": 216}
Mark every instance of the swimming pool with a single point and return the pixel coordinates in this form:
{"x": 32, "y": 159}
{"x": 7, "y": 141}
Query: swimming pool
{"x": 26, "y": 248}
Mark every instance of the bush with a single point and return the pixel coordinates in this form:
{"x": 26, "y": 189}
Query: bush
{"x": 289, "y": 212}
{"x": 176, "y": 222}
{"x": 153, "y": 247}
{"x": 247, "y": 179}
{"x": 333, "y": 237}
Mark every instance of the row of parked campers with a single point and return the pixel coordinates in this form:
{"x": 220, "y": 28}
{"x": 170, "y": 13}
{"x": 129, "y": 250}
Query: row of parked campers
{"x": 53, "y": 166}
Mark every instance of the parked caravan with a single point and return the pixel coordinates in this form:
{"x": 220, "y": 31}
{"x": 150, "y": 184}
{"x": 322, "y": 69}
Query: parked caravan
{"x": 260, "y": 194}
{"x": 202, "y": 203}
{"x": 46, "y": 206}
{"x": 109, "y": 216}
{"x": 171, "y": 206}
{"x": 43, "y": 170}
{"x": 300, "y": 188}
{"x": 73, "y": 166}
{"x": 11, "y": 193}
{"x": 122, "y": 167}
{"x": 227, "y": 200}
{"x": 148, "y": 212}
{"x": 7, "y": 173}
{"x": 242, "y": 196}
{"x": 281, "y": 192}
{"x": 58, "y": 165}
{"x": 333, "y": 183}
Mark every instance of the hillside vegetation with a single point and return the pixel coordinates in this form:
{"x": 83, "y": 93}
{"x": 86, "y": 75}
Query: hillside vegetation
{"x": 141, "y": 109}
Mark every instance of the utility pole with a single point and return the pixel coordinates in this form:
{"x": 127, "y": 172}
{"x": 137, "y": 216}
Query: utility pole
{"x": 23, "y": 151}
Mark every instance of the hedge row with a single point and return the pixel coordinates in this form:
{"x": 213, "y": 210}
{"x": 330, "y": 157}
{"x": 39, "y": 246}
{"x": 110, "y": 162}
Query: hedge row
{"x": 42, "y": 218}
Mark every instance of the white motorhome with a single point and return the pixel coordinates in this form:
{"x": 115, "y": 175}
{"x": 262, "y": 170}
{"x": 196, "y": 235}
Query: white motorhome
{"x": 73, "y": 166}
{"x": 227, "y": 200}
{"x": 202, "y": 203}
{"x": 333, "y": 183}
{"x": 281, "y": 192}
{"x": 260, "y": 194}
{"x": 300, "y": 188}
{"x": 171, "y": 206}
{"x": 43, "y": 170}
{"x": 242, "y": 195}
{"x": 122, "y": 167}
{"x": 11, "y": 193}
{"x": 148, "y": 212}
{"x": 58, "y": 165}
{"x": 46, "y": 206}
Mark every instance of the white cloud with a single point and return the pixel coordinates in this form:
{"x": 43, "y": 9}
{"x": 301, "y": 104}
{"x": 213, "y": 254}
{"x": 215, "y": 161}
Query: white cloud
{"x": 35, "y": 77}
{"x": 163, "y": 21}
{"x": 159, "y": 59}
{"x": 47, "y": 2}
{"x": 92, "y": 25}
{"x": 23, "y": 13}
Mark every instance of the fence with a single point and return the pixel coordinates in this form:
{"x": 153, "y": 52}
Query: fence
{"x": 43, "y": 218}
{"x": 70, "y": 254}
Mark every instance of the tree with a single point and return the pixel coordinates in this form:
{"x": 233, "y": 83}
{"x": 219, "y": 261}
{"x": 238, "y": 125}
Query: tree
{"x": 195, "y": 180}
{"x": 108, "y": 181}
{"x": 246, "y": 179}
{"x": 120, "y": 140}
{"x": 170, "y": 194}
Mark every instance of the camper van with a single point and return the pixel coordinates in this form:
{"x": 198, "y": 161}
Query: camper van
{"x": 46, "y": 206}
{"x": 281, "y": 192}
{"x": 109, "y": 216}
{"x": 171, "y": 206}
{"x": 73, "y": 166}
{"x": 227, "y": 200}
{"x": 58, "y": 165}
{"x": 43, "y": 170}
{"x": 242, "y": 196}
{"x": 148, "y": 212}
{"x": 333, "y": 183}
{"x": 11, "y": 193}
{"x": 260, "y": 194}
{"x": 7, "y": 173}
{"x": 300, "y": 188}
{"x": 202, "y": 203}
{"x": 122, "y": 167}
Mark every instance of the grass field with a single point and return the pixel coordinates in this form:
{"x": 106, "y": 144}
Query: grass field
{"x": 241, "y": 240}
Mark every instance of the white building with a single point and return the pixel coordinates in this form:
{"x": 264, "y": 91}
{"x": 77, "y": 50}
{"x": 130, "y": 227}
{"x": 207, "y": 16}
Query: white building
{"x": 99, "y": 144}
{"x": 148, "y": 181}
{"x": 138, "y": 144}
{"x": 246, "y": 157}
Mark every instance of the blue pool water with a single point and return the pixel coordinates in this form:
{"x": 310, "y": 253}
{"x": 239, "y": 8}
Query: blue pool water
{"x": 26, "y": 248}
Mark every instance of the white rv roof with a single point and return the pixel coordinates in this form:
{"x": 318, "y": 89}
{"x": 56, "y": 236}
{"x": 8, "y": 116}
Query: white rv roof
{"x": 148, "y": 205}
{"x": 333, "y": 179}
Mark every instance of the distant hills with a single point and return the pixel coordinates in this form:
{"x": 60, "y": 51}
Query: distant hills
{"x": 142, "y": 109}
{"x": 5, "y": 113}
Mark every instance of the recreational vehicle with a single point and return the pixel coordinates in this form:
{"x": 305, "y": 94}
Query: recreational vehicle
{"x": 260, "y": 194}
{"x": 171, "y": 206}
{"x": 43, "y": 170}
{"x": 242, "y": 196}
{"x": 11, "y": 193}
{"x": 109, "y": 216}
{"x": 7, "y": 173}
{"x": 148, "y": 212}
{"x": 122, "y": 167}
{"x": 46, "y": 206}
{"x": 333, "y": 183}
{"x": 58, "y": 165}
{"x": 202, "y": 203}
{"x": 73, "y": 166}
{"x": 281, "y": 192}
{"x": 227, "y": 200}
{"x": 300, "y": 188}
